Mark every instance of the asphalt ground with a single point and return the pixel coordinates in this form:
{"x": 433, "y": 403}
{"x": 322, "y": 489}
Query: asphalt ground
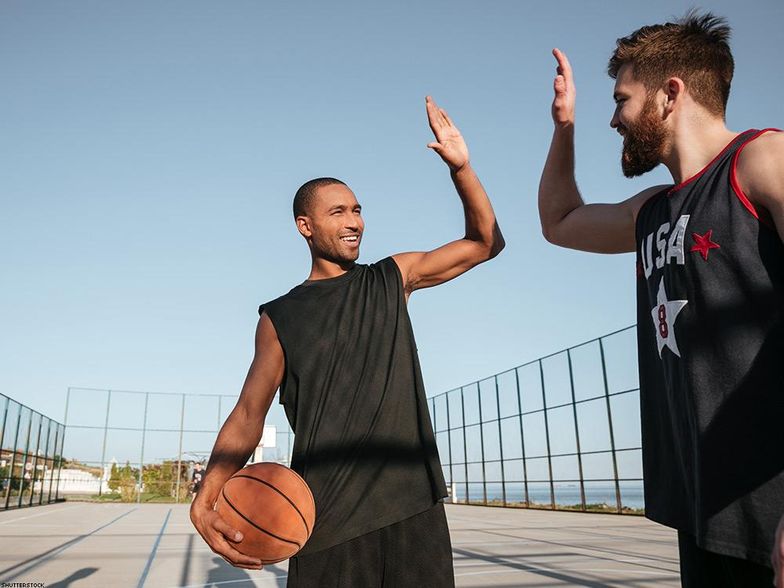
{"x": 83, "y": 544}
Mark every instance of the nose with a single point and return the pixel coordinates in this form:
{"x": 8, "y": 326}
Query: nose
{"x": 614, "y": 121}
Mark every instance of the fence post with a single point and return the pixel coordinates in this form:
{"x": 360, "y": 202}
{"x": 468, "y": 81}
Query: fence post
{"x": 482, "y": 441}
{"x": 179, "y": 454}
{"x": 612, "y": 432}
{"x": 547, "y": 436}
{"x": 500, "y": 440}
{"x": 24, "y": 462}
{"x": 465, "y": 448}
{"x": 522, "y": 437}
{"x": 452, "y": 485}
{"x": 35, "y": 460}
{"x": 105, "y": 435}
{"x": 141, "y": 457}
{"x": 576, "y": 431}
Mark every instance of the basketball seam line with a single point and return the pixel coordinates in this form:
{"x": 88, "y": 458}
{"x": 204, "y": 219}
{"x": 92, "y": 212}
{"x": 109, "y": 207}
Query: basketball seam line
{"x": 294, "y": 506}
{"x": 255, "y": 525}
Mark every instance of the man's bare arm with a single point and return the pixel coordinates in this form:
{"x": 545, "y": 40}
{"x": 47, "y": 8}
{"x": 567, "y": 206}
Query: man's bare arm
{"x": 482, "y": 240}
{"x": 236, "y": 441}
{"x": 760, "y": 173}
{"x": 566, "y": 220}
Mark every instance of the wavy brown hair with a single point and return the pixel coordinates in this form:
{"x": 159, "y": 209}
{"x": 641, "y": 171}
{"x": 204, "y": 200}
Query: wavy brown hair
{"x": 695, "y": 48}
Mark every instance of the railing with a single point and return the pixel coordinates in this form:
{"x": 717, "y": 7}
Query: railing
{"x": 560, "y": 432}
{"x": 30, "y": 455}
{"x": 143, "y": 446}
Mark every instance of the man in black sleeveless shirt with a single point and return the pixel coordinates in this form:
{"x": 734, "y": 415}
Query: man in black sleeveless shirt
{"x": 341, "y": 349}
{"x": 710, "y": 277}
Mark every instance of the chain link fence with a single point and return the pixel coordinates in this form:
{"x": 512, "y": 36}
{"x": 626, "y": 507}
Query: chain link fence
{"x": 147, "y": 446}
{"x": 31, "y": 446}
{"x": 560, "y": 432}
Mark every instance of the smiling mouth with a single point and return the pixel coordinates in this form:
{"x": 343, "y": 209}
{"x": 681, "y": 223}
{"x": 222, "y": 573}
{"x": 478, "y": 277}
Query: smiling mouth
{"x": 349, "y": 238}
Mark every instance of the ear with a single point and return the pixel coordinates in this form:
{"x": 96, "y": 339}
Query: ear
{"x": 303, "y": 226}
{"x": 674, "y": 91}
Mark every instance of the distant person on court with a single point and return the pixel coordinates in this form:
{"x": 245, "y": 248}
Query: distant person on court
{"x": 710, "y": 291}
{"x": 198, "y": 474}
{"x": 341, "y": 348}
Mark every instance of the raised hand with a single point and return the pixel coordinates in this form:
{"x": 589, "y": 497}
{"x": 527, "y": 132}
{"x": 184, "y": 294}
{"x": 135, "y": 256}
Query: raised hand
{"x": 449, "y": 143}
{"x": 563, "y": 103}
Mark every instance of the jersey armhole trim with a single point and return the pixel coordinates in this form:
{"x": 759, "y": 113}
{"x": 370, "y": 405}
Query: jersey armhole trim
{"x": 747, "y": 204}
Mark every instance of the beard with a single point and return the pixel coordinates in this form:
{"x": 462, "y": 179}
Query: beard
{"x": 643, "y": 142}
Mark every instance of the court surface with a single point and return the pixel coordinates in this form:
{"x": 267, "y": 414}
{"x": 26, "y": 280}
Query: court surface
{"x": 155, "y": 546}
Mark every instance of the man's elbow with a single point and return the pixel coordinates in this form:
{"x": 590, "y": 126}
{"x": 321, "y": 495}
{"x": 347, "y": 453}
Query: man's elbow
{"x": 496, "y": 246}
{"x": 550, "y": 234}
{"x": 493, "y": 245}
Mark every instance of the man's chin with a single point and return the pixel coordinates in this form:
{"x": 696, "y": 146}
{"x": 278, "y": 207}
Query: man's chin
{"x": 634, "y": 169}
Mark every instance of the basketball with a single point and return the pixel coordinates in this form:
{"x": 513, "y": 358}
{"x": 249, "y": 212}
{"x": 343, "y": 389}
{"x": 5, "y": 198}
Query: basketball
{"x": 273, "y": 508}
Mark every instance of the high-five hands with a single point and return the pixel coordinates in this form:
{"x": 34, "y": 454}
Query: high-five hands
{"x": 449, "y": 143}
{"x": 563, "y": 103}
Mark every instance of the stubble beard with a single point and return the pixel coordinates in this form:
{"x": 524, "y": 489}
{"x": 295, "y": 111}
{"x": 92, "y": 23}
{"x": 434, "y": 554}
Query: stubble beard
{"x": 643, "y": 142}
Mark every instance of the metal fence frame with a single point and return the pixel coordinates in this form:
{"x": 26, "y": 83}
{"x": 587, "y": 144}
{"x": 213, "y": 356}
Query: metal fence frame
{"x": 106, "y": 428}
{"x": 465, "y": 481}
{"x": 27, "y": 454}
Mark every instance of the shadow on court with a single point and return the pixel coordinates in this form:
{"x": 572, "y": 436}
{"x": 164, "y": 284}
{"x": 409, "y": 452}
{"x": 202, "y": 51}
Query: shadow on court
{"x": 76, "y": 576}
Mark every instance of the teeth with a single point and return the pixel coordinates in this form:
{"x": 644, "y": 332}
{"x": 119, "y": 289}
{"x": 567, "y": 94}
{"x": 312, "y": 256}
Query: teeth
{"x": 349, "y": 238}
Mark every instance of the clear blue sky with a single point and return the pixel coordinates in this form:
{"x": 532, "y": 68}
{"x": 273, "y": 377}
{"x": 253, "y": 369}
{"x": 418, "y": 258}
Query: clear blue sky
{"x": 149, "y": 152}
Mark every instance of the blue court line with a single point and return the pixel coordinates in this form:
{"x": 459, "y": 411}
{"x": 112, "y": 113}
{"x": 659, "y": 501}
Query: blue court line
{"x": 55, "y": 551}
{"x": 143, "y": 579}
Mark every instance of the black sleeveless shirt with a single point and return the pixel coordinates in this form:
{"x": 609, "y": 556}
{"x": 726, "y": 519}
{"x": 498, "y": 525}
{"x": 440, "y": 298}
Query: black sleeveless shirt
{"x": 710, "y": 327}
{"x": 354, "y": 396}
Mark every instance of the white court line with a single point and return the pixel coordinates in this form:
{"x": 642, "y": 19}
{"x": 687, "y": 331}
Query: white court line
{"x": 40, "y": 514}
{"x": 467, "y": 563}
{"x": 224, "y": 582}
{"x": 532, "y": 569}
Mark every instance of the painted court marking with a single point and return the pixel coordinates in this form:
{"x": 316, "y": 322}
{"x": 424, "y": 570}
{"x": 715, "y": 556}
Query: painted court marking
{"x": 37, "y": 560}
{"x": 143, "y": 578}
{"x": 40, "y": 514}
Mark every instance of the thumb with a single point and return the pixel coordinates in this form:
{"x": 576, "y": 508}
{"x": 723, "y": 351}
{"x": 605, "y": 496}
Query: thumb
{"x": 435, "y": 146}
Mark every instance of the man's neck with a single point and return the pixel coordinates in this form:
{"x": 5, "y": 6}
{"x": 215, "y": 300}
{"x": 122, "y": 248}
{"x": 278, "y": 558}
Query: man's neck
{"x": 321, "y": 269}
{"x": 694, "y": 145}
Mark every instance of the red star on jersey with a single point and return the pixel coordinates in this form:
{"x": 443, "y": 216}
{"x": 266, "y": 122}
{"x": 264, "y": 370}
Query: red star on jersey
{"x": 704, "y": 243}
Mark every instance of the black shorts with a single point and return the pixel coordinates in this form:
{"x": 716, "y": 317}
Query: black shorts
{"x": 415, "y": 552}
{"x": 700, "y": 568}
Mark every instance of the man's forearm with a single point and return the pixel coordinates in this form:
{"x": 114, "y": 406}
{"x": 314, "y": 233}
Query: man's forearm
{"x": 480, "y": 221}
{"x": 558, "y": 193}
{"x": 236, "y": 441}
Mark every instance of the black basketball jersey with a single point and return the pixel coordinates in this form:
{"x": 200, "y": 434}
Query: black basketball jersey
{"x": 710, "y": 300}
{"x": 354, "y": 396}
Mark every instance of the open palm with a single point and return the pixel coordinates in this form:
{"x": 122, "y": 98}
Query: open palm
{"x": 449, "y": 143}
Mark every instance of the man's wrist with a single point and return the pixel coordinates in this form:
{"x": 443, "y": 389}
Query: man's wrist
{"x": 463, "y": 170}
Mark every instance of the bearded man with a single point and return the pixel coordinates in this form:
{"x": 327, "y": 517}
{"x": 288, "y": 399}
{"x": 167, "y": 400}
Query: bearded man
{"x": 710, "y": 282}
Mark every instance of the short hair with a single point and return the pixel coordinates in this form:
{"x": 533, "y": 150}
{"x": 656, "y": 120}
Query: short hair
{"x": 695, "y": 48}
{"x": 303, "y": 199}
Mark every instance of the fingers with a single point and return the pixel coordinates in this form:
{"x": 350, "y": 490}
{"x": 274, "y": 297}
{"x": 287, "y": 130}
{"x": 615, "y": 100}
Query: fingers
{"x": 435, "y": 146}
{"x": 564, "y": 67}
{"x": 222, "y": 527}
{"x": 559, "y": 85}
{"x": 434, "y": 117}
{"x": 218, "y": 534}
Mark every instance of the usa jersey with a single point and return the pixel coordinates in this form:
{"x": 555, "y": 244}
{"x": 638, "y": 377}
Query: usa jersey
{"x": 710, "y": 328}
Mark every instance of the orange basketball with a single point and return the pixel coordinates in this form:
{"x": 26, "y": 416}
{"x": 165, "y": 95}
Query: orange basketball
{"x": 273, "y": 508}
